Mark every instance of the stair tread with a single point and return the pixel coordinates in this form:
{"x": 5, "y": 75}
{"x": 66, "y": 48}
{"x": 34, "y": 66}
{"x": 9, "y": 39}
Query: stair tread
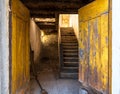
{"x": 69, "y": 72}
{"x": 66, "y": 53}
{"x": 69, "y": 67}
{"x": 71, "y": 50}
{"x": 70, "y": 42}
{"x": 70, "y": 57}
{"x": 75, "y": 40}
{"x": 70, "y": 46}
{"x": 67, "y": 34}
{"x": 72, "y": 62}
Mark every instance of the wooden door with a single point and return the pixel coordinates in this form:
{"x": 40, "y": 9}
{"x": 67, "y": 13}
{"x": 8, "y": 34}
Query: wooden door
{"x": 20, "y": 48}
{"x": 94, "y": 45}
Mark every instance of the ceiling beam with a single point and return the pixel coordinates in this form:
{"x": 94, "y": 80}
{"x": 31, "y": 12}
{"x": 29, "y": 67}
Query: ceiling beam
{"x": 52, "y": 4}
{"x": 60, "y": 11}
{"x": 43, "y": 15}
{"x": 51, "y": 0}
{"x": 46, "y": 26}
{"x": 45, "y": 23}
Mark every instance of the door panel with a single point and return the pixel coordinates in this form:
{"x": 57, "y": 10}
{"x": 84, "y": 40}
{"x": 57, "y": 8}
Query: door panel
{"x": 20, "y": 47}
{"x": 93, "y": 45}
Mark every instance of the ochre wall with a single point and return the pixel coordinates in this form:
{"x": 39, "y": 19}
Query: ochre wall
{"x": 20, "y": 48}
{"x": 94, "y": 44}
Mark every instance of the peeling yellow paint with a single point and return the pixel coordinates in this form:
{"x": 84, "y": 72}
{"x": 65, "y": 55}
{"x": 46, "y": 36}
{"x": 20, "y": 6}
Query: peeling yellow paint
{"x": 20, "y": 47}
{"x": 93, "y": 45}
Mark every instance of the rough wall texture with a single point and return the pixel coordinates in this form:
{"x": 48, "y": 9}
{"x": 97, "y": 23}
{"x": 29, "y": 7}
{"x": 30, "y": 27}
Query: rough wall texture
{"x": 35, "y": 40}
{"x": 49, "y": 46}
{"x": 93, "y": 45}
{"x": 20, "y": 48}
{"x": 4, "y": 47}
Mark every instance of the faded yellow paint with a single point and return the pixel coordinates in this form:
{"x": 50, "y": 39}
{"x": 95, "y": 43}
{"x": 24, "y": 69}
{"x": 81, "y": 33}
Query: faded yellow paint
{"x": 20, "y": 47}
{"x": 93, "y": 10}
{"x": 94, "y": 45}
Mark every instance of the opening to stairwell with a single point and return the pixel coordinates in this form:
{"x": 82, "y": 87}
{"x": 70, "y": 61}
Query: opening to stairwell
{"x": 52, "y": 72}
{"x": 68, "y": 45}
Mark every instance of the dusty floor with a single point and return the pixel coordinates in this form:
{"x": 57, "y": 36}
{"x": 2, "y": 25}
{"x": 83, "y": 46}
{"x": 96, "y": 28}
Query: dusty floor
{"x": 48, "y": 76}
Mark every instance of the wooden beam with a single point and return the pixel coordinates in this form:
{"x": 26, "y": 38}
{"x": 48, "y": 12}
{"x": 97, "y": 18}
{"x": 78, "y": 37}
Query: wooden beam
{"x": 52, "y": 4}
{"x": 57, "y": 20}
{"x": 47, "y": 26}
{"x": 43, "y": 15}
{"x": 60, "y": 11}
{"x": 51, "y": 0}
{"x": 45, "y": 23}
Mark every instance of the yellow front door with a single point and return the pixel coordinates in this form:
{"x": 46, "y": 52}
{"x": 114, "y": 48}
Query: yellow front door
{"x": 20, "y": 48}
{"x": 94, "y": 45}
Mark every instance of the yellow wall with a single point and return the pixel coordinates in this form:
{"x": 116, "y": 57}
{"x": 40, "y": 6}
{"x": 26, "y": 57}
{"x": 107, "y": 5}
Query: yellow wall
{"x": 20, "y": 48}
{"x": 93, "y": 45}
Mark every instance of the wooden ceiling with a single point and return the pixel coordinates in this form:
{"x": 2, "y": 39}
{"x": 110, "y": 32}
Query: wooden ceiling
{"x": 48, "y": 8}
{"x": 52, "y": 8}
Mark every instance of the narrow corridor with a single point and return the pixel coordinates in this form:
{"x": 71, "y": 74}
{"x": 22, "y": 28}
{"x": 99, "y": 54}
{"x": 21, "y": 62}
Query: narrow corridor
{"x": 48, "y": 76}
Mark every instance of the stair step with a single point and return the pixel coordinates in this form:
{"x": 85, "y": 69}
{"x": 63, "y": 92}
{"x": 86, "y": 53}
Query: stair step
{"x": 70, "y": 53}
{"x": 70, "y": 47}
{"x": 70, "y": 60}
{"x": 69, "y": 75}
{"x": 71, "y": 64}
{"x": 68, "y": 37}
{"x": 70, "y": 44}
{"x": 70, "y": 57}
{"x": 70, "y": 69}
{"x": 70, "y": 41}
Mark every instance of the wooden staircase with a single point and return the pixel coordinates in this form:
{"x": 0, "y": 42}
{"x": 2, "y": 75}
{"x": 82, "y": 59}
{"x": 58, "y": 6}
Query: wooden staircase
{"x": 68, "y": 54}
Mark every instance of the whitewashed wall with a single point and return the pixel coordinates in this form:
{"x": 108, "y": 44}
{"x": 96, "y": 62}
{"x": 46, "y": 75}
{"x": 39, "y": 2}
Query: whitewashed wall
{"x": 116, "y": 47}
{"x": 0, "y": 46}
{"x": 35, "y": 40}
{"x": 4, "y": 47}
{"x": 74, "y": 24}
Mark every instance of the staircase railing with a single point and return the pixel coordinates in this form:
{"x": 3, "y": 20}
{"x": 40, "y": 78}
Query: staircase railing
{"x": 60, "y": 47}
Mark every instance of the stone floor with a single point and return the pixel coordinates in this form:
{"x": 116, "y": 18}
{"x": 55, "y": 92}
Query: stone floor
{"x": 48, "y": 76}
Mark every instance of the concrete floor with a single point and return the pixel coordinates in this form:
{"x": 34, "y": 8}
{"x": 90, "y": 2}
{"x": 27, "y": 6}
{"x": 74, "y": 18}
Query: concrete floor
{"x": 48, "y": 76}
